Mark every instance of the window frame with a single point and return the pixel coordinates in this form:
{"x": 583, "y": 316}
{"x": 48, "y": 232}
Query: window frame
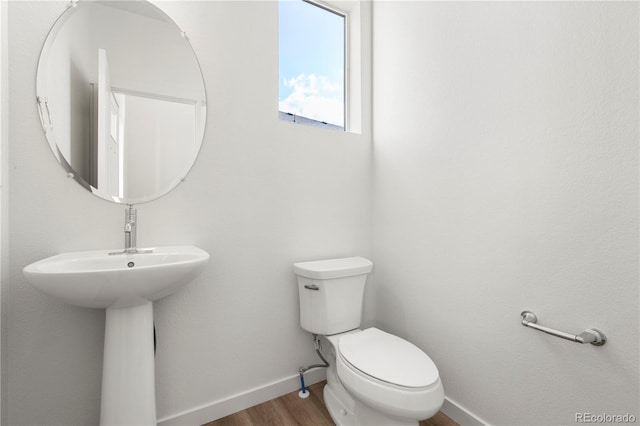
{"x": 357, "y": 61}
{"x": 345, "y": 53}
{"x": 335, "y": 8}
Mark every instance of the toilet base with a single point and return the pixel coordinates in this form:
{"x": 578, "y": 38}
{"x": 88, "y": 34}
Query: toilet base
{"x": 340, "y": 412}
{"x": 353, "y": 413}
{"x": 345, "y": 410}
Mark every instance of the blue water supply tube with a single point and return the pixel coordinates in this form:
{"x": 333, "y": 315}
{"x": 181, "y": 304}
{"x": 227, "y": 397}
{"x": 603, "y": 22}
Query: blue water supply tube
{"x": 304, "y": 393}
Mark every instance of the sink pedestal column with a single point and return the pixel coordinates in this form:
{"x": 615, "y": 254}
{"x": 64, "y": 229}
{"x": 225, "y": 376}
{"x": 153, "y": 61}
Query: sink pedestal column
{"x": 128, "y": 370}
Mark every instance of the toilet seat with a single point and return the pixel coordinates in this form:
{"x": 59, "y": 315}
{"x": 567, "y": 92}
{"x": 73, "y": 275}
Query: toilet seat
{"x": 389, "y": 374}
{"x": 388, "y": 358}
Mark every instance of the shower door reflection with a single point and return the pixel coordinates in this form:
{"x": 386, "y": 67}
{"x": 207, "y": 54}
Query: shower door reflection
{"x": 143, "y": 142}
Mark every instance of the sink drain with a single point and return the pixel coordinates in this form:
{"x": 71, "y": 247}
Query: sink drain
{"x": 131, "y": 264}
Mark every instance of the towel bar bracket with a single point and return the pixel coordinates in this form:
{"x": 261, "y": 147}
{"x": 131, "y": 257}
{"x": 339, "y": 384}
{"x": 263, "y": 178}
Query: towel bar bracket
{"x": 590, "y": 335}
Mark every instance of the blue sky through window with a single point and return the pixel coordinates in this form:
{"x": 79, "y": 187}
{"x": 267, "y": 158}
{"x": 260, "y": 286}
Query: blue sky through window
{"x": 311, "y": 62}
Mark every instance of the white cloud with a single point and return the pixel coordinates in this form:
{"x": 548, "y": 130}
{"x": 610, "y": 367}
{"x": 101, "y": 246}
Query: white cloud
{"x": 315, "y": 97}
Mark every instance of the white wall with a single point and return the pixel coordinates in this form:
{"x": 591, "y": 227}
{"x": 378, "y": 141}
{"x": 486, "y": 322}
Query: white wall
{"x": 262, "y": 195}
{"x": 4, "y": 139}
{"x": 506, "y": 178}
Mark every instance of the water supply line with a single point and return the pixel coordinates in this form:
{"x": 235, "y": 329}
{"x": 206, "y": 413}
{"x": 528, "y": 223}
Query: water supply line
{"x": 304, "y": 393}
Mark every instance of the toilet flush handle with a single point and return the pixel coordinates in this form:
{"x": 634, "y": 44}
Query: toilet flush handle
{"x": 312, "y": 287}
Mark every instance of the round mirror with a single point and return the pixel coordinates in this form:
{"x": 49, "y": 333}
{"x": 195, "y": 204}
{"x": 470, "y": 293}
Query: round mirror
{"x": 121, "y": 99}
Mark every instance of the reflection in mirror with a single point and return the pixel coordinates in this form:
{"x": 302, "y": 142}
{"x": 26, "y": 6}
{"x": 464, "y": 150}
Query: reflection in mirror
{"x": 121, "y": 99}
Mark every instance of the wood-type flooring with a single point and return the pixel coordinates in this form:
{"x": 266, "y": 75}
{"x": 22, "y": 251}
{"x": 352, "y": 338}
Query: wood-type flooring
{"x": 291, "y": 410}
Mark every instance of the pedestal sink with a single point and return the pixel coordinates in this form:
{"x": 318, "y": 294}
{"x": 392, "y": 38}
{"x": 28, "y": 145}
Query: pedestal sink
{"x": 126, "y": 285}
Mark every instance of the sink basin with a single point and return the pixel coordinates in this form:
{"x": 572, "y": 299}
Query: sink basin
{"x": 96, "y": 279}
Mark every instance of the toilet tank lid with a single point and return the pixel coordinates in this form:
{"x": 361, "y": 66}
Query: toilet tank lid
{"x": 333, "y": 268}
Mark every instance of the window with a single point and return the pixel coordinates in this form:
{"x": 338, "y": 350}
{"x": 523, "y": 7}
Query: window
{"x": 312, "y": 64}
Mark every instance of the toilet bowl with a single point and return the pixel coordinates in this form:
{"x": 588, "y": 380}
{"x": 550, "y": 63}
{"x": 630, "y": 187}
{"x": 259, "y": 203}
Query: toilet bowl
{"x": 374, "y": 378}
{"x": 380, "y": 379}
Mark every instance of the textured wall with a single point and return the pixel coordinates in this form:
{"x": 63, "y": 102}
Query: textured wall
{"x": 262, "y": 195}
{"x": 506, "y": 178}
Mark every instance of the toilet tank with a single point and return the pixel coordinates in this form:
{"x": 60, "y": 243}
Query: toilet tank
{"x": 331, "y": 293}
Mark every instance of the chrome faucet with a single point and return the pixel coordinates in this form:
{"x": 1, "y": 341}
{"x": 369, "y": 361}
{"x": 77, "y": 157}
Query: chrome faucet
{"x": 130, "y": 216}
{"x": 130, "y": 227}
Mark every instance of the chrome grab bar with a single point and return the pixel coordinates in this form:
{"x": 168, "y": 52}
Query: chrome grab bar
{"x": 590, "y": 335}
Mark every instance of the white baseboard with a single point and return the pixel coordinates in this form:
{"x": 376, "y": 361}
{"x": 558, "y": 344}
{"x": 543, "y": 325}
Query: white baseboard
{"x": 223, "y": 407}
{"x": 461, "y": 415}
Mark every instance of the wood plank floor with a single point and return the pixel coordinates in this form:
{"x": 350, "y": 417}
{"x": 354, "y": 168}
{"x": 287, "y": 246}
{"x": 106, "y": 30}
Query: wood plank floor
{"x": 290, "y": 410}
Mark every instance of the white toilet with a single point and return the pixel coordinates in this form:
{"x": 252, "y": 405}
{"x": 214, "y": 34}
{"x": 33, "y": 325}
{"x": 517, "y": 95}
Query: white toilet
{"x": 373, "y": 378}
